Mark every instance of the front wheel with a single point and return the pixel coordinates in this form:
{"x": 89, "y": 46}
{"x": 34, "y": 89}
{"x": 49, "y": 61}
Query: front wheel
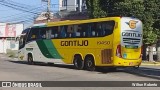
{"x": 30, "y": 59}
{"x": 89, "y": 63}
{"x": 136, "y": 67}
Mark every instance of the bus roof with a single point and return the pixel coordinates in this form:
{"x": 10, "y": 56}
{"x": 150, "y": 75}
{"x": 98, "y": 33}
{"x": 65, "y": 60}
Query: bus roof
{"x": 71, "y": 22}
{"x": 40, "y": 25}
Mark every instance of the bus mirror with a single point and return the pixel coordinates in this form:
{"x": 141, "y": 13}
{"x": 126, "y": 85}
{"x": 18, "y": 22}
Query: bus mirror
{"x": 17, "y": 39}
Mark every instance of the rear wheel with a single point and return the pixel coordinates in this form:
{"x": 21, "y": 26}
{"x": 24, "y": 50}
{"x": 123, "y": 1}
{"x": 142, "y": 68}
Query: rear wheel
{"x": 89, "y": 63}
{"x": 78, "y": 62}
{"x": 30, "y": 59}
{"x": 136, "y": 67}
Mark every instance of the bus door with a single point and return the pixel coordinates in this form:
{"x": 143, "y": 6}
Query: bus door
{"x": 22, "y": 42}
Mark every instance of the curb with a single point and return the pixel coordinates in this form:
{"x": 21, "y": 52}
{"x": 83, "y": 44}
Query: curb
{"x": 151, "y": 64}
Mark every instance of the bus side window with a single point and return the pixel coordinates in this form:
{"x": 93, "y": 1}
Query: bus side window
{"x": 42, "y": 34}
{"x": 109, "y": 26}
{"x": 70, "y": 31}
{"x": 100, "y": 30}
{"x": 94, "y": 31}
{"x": 82, "y": 30}
{"x": 54, "y": 32}
{"x": 90, "y": 30}
{"x": 33, "y": 34}
{"x": 63, "y": 31}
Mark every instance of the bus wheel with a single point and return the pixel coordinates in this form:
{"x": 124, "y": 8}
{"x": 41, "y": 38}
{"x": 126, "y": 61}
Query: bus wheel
{"x": 30, "y": 59}
{"x": 89, "y": 63}
{"x": 136, "y": 67}
{"x": 78, "y": 62}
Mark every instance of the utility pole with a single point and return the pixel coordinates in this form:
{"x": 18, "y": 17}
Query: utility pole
{"x": 80, "y": 5}
{"x": 48, "y": 10}
{"x": 47, "y": 14}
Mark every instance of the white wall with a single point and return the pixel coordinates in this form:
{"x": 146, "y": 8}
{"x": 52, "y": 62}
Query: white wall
{"x": 3, "y": 46}
{"x": 19, "y": 29}
{"x": 2, "y": 29}
{"x": 8, "y": 44}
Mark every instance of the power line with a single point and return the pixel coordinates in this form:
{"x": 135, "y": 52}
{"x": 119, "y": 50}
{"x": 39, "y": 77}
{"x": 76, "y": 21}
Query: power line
{"x": 18, "y": 8}
{"x": 21, "y": 14}
{"x": 20, "y": 5}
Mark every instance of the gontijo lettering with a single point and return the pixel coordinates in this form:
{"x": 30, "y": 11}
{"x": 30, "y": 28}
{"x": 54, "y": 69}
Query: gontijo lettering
{"x": 74, "y": 43}
{"x": 131, "y": 34}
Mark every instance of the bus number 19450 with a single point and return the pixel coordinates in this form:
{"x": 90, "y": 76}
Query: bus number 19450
{"x": 103, "y": 42}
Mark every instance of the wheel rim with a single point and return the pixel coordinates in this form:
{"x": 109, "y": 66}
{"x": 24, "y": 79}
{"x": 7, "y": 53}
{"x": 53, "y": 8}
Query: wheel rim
{"x": 75, "y": 63}
{"x": 30, "y": 60}
{"x": 78, "y": 63}
{"x": 90, "y": 65}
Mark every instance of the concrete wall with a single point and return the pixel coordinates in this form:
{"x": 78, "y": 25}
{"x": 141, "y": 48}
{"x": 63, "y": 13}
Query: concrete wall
{"x": 8, "y": 44}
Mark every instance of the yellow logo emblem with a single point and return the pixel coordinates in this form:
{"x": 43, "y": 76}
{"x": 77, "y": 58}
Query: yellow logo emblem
{"x": 132, "y": 24}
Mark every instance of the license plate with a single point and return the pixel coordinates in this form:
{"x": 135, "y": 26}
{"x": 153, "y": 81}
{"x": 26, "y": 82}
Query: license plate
{"x": 131, "y": 63}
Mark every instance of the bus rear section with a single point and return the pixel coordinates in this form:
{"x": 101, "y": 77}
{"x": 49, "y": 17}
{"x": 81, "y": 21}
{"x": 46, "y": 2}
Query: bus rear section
{"x": 128, "y": 50}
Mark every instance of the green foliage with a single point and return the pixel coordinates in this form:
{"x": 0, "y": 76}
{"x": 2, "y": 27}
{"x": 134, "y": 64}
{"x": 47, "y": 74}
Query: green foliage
{"x": 148, "y": 11}
{"x": 152, "y": 36}
{"x": 94, "y": 9}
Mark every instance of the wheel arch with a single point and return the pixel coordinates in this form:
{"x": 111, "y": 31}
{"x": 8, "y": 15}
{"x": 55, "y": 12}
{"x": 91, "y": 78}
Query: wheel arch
{"x": 90, "y": 55}
{"x": 30, "y": 53}
{"x": 77, "y": 54}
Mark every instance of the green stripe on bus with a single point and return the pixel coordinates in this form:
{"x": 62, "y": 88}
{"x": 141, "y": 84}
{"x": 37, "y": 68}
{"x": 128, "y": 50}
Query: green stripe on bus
{"x": 43, "y": 48}
{"x": 51, "y": 48}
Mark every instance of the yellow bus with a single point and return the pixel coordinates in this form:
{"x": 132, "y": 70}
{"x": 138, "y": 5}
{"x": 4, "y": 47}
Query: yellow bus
{"x": 101, "y": 42}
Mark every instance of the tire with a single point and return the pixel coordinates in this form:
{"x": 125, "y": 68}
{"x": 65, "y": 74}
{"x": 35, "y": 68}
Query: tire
{"x": 78, "y": 62}
{"x": 30, "y": 59}
{"x": 89, "y": 63}
{"x": 136, "y": 67}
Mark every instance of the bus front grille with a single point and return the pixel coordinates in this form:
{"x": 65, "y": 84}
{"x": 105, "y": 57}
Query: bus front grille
{"x": 131, "y": 40}
{"x": 106, "y": 55}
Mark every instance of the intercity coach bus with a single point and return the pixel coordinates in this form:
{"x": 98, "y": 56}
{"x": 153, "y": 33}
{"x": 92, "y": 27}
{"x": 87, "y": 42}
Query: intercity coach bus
{"x": 101, "y": 42}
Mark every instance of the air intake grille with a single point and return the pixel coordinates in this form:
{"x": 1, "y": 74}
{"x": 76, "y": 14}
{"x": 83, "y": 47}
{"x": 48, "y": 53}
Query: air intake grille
{"x": 131, "y": 40}
{"x": 106, "y": 55}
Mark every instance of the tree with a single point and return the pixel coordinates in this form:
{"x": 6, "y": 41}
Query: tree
{"x": 148, "y": 11}
{"x": 94, "y": 9}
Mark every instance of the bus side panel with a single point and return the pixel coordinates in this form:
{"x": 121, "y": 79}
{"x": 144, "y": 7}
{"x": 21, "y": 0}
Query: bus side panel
{"x": 40, "y": 52}
{"x": 67, "y": 48}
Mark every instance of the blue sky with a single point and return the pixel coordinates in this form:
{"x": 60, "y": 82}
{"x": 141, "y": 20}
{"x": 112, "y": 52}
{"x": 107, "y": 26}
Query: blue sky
{"x": 8, "y": 14}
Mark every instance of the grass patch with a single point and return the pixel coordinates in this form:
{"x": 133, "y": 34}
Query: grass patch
{"x": 12, "y": 53}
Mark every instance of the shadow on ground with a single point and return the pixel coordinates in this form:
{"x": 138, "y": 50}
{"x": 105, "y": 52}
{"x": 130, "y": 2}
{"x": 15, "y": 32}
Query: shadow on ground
{"x": 98, "y": 69}
{"x": 145, "y": 72}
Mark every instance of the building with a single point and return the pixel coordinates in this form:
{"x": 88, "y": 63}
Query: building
{"x": 8, "y": 34}
{"x": 67, "y": 10}
{"x": 73, "y": 9}
{"x": 72, "y": 5}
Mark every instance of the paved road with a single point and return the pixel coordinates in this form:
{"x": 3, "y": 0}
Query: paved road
{"x": 13, "y": 70}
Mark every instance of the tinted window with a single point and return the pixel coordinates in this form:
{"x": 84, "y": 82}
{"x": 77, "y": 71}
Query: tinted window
{"x": 96, "y": 29}
{"x": 39, "y": 33}
{"x": 22, "y": 39}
